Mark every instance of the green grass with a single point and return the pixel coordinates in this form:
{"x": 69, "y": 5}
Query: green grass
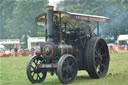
{"x": 13, "y": 72}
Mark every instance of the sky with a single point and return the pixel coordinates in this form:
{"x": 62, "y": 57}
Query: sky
{"x": 53, "y": 2}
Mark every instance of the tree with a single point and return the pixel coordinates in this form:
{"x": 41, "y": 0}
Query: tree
{"x": 6, "y": 9}
{"x": 23, "y": 20}
{"x": 118, "y": 19}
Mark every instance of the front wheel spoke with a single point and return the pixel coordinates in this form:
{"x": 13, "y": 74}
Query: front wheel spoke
{"x": 72, "y": 66}
{"x": 97, "y": 53}
{"x": 32, "y": 66}
{"x": 32, "y": 71}
{"x": 66, "y": 77}
{"x": 70, "y": 75}
{"x": 33, "y": 75}
{"x": 35, "y": 63}
{"x": 64, "y": 74}
{"x": 64, "y": 69}
{"x": 37, "y": 77}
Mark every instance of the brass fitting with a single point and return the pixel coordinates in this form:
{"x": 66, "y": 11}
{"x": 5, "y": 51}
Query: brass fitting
{"x": 50, "y": 7}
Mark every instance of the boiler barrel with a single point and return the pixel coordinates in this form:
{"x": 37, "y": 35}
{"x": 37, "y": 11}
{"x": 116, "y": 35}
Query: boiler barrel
{"x": 66, "y": 49}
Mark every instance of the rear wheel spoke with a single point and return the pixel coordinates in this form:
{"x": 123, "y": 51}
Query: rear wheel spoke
{"x": 103, "y": 55}
{"x": 102, "y": 65}
{"x": 100, "y": 72}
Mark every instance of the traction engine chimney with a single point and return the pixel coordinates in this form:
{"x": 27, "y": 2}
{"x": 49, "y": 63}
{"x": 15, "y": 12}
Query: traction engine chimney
{"x": 50, "y": 28}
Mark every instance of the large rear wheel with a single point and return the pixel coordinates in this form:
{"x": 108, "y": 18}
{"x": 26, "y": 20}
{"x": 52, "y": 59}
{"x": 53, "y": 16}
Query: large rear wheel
{"x": 67, "y": 69}
{"x": 97, "y": 57}
{"x": 35, "y": 75}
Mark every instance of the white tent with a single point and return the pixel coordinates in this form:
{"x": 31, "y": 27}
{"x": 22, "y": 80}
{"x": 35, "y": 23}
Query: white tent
{"x": 1, "y": 46}
{"x": 123, "y": 38}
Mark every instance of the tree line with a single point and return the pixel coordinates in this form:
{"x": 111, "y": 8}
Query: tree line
{"x": 116, "y": 10}
{"x": 17, "y": 17}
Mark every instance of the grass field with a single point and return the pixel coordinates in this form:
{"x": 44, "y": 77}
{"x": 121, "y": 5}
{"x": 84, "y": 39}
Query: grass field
{"x": 13, "y": 72}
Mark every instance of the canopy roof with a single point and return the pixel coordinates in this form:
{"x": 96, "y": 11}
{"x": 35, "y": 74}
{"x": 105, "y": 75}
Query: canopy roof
{"x": 76, "y": 16}
{"x": 123, "y": 37}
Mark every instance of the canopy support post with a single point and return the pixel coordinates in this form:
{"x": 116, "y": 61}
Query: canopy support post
{"x": 60, "y": 26}
{"x": 98, "y": 33}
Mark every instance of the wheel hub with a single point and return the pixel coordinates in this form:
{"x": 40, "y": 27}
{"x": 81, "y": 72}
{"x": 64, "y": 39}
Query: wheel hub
{"x": 47, "y": 50}
{"x": 99, "y": 57}
{"x": 36, "y": 70}
{"x": 69, "y": 69}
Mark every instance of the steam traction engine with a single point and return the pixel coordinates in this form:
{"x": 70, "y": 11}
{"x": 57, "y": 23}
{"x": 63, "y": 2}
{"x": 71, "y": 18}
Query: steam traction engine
{"x": 71, "y": 45}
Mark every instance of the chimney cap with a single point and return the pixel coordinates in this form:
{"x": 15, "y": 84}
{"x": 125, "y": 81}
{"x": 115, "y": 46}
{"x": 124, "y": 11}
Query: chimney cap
{"x": 50, "y": 7}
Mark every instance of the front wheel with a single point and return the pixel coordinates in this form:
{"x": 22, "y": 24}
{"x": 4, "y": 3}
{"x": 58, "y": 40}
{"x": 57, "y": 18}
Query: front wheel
{"x": 35, "y": 75}
{"x": 67, "y": 69}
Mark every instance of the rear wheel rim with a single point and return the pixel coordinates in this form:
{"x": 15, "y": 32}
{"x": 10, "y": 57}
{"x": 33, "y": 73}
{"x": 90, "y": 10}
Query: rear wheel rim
{"x": 96, "y": 57}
